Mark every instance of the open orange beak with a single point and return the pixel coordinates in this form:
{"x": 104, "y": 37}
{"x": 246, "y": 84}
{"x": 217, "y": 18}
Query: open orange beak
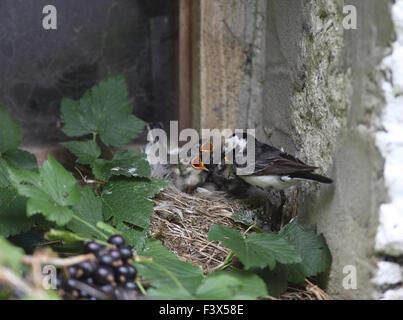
{"x": 207, "y": 147}
{"x": 198, "y": 164}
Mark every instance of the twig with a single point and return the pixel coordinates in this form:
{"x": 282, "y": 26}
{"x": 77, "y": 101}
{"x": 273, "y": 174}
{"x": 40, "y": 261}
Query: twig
{"x": 59, "y": 262}
{"x": 8, "y": 277}
{"x": 88, "y": 181}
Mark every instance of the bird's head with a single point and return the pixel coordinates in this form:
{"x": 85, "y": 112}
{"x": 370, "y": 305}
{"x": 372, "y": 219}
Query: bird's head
{"x": 236, "y": 142}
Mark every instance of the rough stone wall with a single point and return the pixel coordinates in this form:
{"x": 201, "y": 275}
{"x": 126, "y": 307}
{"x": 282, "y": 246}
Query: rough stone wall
{"x": 348, "y": 83}
{"x": 318, "y": 89}
{"x": 389, "y": 238}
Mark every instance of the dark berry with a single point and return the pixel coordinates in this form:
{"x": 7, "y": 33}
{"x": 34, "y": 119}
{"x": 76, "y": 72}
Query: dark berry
{"x": 88, "y": 267}
{"x": 107, "y": 288}
{"x": 130, "y": 286}
{"x": 117, "y": 258}
{"x": 103, "y": 275}
{"x": 105, "y": 259}
{"x": 117, "y": 240}
{"x": 70, "y": 284}
{"x": 122, "y": 274}
{"x": 75, "y": 272}
{"x": 126, "y": 253}
{"x": 92, "y": 247}
{"x": 89, "y": 281}
{"x": 132, "y": 272}
{"x": 115, "y": 254}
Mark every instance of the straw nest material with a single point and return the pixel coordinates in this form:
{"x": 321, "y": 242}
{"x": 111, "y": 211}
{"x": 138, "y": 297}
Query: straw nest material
{"x": 182, "y": 222}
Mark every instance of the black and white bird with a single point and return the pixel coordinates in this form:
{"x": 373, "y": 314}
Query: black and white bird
{"x": 222, "y": 174}
{"x": 273, "y": 168}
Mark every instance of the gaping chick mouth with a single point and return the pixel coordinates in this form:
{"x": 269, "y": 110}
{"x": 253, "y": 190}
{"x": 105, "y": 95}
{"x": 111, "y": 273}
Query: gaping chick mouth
{"x": 207, "y": 147}
{"x": 198, "y": 164}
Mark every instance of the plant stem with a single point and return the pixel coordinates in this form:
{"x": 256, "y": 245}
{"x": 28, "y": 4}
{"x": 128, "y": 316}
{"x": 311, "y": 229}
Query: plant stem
{"x": 141, "y": 288}
{"x": 94, "y": 136}
{"x": 250, "y": 228}
{"x": 230, "y": 255}
{"x": 103, "y": 235}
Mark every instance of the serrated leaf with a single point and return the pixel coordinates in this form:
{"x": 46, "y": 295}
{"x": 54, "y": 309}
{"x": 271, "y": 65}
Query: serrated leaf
{"x": 129, "y": 163}
{"x": 105, "y": 109}
{"x": 10, "y": 131}
{"x": 166, "y": 270}
{"x": 10, "y": 256}
{"x": 247, "y": 217}
{"x": 258, "y": 249}
{"x": 18, "y": 159}
{"x": 89, "y": 210}
{"x": 85, "y": 151}
{"x": 276, "y": 280}
{"x": 127, "y": 204}
{"x": 231, "y": 285}
{"x": 66, "y": 236}
{"x": 315, "y": 254}
{"x": 50, "y": 192}
{"x": 13, "y": 214}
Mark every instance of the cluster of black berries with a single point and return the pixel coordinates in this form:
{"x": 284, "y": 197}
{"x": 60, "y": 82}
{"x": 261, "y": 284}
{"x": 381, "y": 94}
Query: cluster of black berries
{"x": 110, "y": 276}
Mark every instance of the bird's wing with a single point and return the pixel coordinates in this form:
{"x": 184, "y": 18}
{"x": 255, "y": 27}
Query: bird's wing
{"x": 272, "y": 161}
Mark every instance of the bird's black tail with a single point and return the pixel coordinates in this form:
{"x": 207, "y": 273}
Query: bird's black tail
{"x": 311, "y": 176}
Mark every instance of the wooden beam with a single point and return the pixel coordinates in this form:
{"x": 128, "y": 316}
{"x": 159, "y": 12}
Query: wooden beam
{"x": 185, "y": 64}
{"x": 217, "y": 62}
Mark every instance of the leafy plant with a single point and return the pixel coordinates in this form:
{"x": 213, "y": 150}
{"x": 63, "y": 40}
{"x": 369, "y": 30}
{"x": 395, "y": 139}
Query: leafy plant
{"x": 117, "y": 200}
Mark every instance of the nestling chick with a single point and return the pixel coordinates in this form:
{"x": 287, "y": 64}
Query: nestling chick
{"x": 184, "y": 176}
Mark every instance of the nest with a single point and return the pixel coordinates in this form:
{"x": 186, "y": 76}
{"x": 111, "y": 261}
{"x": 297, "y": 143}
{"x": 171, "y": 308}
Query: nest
{"x": 182, "y": 222}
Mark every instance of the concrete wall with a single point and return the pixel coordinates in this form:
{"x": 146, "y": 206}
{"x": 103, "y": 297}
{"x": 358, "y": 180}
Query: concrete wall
{"x": 290, "y": 67}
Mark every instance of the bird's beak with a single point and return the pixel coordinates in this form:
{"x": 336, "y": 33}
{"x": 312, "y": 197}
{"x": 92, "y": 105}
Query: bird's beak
{"x": 207, "y": 147}
{"x": 198, "y": 164}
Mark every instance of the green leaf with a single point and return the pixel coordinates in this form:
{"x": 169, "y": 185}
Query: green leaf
{"x": 223, "y": 285}
{"x": 247, "y": 217}
{"x": 109, "y": 229}
{"x": 10, "y": 131}
{"x": 127, "y": 206}
{"x": 258, "y": 249}
{"x": 85, "y": 151}
{"x": 18, "y": 159}
{"x": 276, "y": 280}
{"x": 166, "y": 270}
{"x": 66, "y": 236}
{"x": 4, "y": 179}
{"x": 231, "y": 285}
{"x": 10, "y": 256}
{"x": 106, "y": 110}
{"x": 89, "y": 210}
{"x": 129, "y": 163}
{"x": 51, "y": 191}
{"x": 13, "y": 214}
{"x": 315, "y": 254}
{"x": 170, "y": 293}
{"x": 21, "y": 159}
